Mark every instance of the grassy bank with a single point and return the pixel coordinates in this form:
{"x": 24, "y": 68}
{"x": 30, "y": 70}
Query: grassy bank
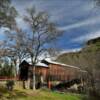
{"x": 20, "y": 94}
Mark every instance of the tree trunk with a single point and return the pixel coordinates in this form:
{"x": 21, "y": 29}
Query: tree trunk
{"x": 24, "y": 87}
{"x": 15, "y": 68}
{"x": 34, "y": 79}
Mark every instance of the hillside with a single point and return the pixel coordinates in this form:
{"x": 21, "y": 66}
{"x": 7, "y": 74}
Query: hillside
{"x": 92, "y": 45}
{"x": 87, "y": 59}
{"x": 90, "y": 52}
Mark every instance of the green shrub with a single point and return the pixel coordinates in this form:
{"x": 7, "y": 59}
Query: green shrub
{"x": 10, "y": 85}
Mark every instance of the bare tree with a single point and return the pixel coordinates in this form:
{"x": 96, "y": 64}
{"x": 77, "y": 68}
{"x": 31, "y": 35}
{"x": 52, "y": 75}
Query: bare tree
{"x": 43, "y": 34}
{"x": 16, "y": 43}
{"x": 7, "y": 19}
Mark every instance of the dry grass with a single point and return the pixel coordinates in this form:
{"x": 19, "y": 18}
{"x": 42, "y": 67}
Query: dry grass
{"x": 26, "y": 94}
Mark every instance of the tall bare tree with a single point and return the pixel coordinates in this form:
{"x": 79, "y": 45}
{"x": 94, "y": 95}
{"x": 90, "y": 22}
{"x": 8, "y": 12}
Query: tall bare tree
{"x": 16, "y": 45}
{"x": 43, "y": 34}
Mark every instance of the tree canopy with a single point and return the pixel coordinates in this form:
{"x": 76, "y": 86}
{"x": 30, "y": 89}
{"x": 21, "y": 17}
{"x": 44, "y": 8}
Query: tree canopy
{"x": 7, "y": 14}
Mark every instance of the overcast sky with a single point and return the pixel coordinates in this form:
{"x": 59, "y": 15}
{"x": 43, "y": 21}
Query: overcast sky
{"x": 79, "y": 19}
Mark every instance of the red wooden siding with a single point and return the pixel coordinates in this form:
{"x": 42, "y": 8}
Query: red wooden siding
{"x": 62, "y": 73}
{"x": 42, "y": 71}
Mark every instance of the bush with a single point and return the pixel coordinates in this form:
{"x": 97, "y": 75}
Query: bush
{"x": 10, "y": 85}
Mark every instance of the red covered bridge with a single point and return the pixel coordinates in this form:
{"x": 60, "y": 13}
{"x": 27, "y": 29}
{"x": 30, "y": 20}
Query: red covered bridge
{"x": 52, "y": 71}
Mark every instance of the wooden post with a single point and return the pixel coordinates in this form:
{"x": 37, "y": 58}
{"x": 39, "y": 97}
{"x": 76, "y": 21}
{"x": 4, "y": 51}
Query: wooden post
{"x": 49, "y": 84}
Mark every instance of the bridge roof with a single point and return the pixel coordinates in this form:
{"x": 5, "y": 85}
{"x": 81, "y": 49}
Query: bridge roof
{"x": 58, "y": 63}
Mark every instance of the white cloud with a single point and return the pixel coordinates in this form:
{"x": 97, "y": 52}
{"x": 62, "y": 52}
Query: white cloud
{"x": 2, "y": 30}
{"x": 21, "y": 23}
{"x": 70, "y": 50}
{"x": 87, "y": 37}
{"x": 69, "y": 15}
{"x": 59, "y": 10}
{"x": 90, "y": 21}
{"x": 2, "y": 33}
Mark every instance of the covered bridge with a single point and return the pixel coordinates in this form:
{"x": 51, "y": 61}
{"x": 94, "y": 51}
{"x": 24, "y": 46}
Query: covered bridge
{"x": 48, "y": 70}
